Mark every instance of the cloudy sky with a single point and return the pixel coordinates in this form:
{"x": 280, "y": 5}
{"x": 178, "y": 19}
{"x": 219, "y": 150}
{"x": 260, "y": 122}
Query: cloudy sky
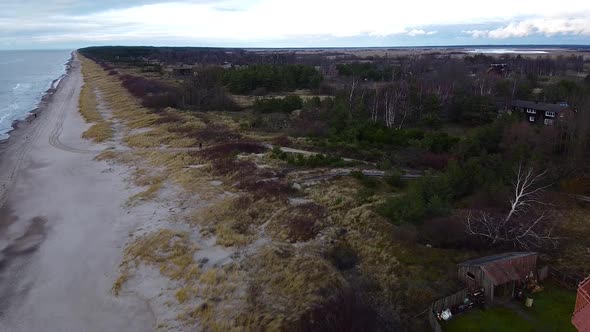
{"x": 27, "y": 24}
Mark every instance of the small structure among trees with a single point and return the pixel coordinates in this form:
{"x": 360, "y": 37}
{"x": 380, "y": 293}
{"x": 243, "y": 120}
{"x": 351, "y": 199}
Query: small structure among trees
{"x": 581, "y": 317}
{"x": 498, "y": 274}
{"x": 545, "y": 112}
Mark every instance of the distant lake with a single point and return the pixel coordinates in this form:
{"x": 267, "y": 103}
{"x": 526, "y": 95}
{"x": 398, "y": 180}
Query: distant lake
{"x": 505, "y": 51}
{"x": 24, "y": 78}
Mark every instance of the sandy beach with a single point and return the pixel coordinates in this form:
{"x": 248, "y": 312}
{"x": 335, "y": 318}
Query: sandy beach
{"x": 63, "y": 226}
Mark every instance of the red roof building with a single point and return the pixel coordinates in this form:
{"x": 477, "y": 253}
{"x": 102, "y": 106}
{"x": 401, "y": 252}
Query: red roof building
{"x": 581, "y": 317}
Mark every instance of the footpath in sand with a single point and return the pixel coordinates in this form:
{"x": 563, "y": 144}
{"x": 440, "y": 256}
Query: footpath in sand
{"x": 63, "y": 226}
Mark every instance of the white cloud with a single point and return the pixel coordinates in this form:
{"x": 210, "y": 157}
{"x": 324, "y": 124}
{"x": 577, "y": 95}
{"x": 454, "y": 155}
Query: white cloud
{"x": 477, "y": 33}
{"x": 257, "y": 20}
{"x": 420, "y": 32}
{"x": 542, "y": 26}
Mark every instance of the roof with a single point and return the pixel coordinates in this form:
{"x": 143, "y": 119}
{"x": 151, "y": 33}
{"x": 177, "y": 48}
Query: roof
{"x": 540, "y": 106}
{"x": 581, "y": 319}
{"x": 585, "y": 285}
{"x": 496, "y": 258}
{"x": 505, "y": 267}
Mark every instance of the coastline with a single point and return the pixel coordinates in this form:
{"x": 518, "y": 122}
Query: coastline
{"x": 43, "y": 102}
{"x": 21, "y": 130}
{"x": 64, "y": 224}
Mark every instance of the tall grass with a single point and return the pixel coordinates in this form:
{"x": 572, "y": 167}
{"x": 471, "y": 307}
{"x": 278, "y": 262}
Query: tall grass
{"x": 101, "y": 129}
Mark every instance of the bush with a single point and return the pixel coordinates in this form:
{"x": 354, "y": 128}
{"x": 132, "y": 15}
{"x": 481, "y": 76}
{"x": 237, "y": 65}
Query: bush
{"x": 431, "y": 160}
{"x": 342, "y": 256}
{"x": 384, "y": 165}
{"x": 272, "y": 105}
{"x": 214, "y": 133}
{"x": 432, "y": 121}
{"x": 301, "y": 228}
{"x": 316, "y": 160}
{"x": 344, "y": 311}
{"x": 366, "y": 181}
{"x": 427, "y": 197}
{"x": 438, "y": 142}
{"x": 395, "y": 180}
{"x": 229, "y": 149}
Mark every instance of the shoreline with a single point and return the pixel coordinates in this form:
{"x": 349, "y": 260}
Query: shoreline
{"x": 64, "y": 224}
{"x": 43, "y": 102}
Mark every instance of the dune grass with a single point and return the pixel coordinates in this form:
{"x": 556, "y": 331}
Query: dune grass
{"x": 99, "y": 132}
{"x": 101, "y": 129}
{"x": 169, "y": 251}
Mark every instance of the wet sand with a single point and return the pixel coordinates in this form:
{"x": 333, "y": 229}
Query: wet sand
{"x": 63, "y": 226}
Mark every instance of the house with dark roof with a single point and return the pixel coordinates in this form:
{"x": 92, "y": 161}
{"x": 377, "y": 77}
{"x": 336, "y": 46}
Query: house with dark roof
{"x": 546, "y": 113}
{"x": 499, "y": 274}
{"x": 581, "y": 316}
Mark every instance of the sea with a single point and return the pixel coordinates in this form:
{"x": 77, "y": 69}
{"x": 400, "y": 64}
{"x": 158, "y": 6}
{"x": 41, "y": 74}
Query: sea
{"x": 25, "y": 76}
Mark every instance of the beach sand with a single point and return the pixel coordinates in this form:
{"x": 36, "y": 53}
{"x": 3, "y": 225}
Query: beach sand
{"x": 63, "y": 226}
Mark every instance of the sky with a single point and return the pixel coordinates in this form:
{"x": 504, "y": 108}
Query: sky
{"x": 58, "y": 24}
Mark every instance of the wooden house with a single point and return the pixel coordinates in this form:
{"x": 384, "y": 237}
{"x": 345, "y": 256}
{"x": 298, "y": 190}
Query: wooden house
{"x": 499, "y": 274}
{"x": 545, "y": 113}
{"x": 581, "y": 316}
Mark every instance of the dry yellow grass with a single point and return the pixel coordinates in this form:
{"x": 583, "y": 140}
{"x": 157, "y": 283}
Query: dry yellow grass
{"x": 284, "y": 283}
{"x": 88, "y": 103}
{"x": 101, "y": 129}
{"x": 99, "y": 132}
{"x": 153, "y": 183}
{"x": 170, "y": 251}
{"x": 235, "y": 220}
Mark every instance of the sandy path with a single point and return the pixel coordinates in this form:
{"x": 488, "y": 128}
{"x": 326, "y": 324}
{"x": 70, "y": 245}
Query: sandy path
{"x": 63, "y": 227}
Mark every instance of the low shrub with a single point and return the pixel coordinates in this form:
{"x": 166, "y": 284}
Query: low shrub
{"x": 427, "y": 197}
{"x": 342, "y": 256}
{"x": 395, "y": 180}
{"x": 229, "y": 149}
{"x": 214, "y": 133}
{"x": 272, "y": 105}
{"x": 366, "y": 181}
{"x": 315, "y": 160}
{"x": 301, "y": 228}
{"x": 344, "y": 312}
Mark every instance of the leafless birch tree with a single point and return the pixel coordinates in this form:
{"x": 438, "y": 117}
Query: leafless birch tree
{"x": 353, "y": 85}
{"x": 527, "y": 224}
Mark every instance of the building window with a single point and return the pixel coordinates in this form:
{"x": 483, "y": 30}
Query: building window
{"x": 531, "y": 111}
{"x": 470, "y": 275}
{"x": 548, "y": 121}
{"x": 550, "y": 114}
{"x": 531, "y": 118}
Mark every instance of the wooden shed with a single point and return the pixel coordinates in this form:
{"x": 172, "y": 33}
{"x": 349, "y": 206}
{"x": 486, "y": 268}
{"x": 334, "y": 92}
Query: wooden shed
{"x": 497, "y": 274}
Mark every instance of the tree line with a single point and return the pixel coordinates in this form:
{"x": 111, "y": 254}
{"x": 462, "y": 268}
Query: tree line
{"x": 260, "y": 79}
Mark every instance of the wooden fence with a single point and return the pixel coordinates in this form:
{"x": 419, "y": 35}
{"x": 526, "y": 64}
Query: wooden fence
{"x": 568, "y": 280}
{"x": 543, "y": 272}
{"x": 434, "y": 324}
{"x": 442, "y": 304}
{"x": 583, "y": 298}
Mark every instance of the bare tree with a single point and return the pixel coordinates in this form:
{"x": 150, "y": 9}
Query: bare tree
{"x": 353, "y": 85}
{"x": 527, "y": 224}
{"x": 395, "y": 102}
